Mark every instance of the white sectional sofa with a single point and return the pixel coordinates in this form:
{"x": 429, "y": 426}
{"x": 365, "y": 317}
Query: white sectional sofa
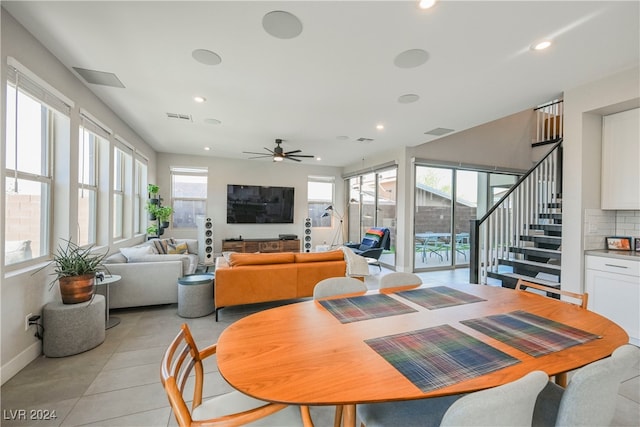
{"x": 148, "y": 277}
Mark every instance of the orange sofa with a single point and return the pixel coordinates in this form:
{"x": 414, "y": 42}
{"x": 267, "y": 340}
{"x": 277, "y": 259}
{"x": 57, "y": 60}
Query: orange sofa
{"x": 248, "y": 278}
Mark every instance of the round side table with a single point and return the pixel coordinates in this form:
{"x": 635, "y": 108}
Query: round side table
{"x": 195, "y": 295}
{"x": 109, "y": 322}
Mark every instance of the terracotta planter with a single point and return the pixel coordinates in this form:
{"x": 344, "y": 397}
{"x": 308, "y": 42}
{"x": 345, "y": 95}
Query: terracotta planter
{"x": 76, "y": 289}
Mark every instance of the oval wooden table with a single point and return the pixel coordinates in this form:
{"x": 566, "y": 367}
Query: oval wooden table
{"x": 301, "y": 354}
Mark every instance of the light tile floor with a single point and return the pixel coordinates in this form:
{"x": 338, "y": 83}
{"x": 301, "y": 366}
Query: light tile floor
{"x": 117, "y": 383}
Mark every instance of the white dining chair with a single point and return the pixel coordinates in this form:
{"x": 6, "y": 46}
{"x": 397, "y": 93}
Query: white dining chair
{"x": 400, "y": 279}
{"x": 509, "y": 405}
{"x": 591, "y": 396}
{"x": 334, "y": 286}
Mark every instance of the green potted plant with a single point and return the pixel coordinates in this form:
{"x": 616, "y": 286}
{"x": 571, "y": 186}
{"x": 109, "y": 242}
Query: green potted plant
{"x": 75, "y": 271}
{"x": 152, "y": 209}
{"x": 163, "y": 214}
{"x": 153, "y": 192}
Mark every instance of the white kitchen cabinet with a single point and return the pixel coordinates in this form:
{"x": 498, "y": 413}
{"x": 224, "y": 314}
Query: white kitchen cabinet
{"x": 614, "y": 291}
{"x": 620, "y": 185}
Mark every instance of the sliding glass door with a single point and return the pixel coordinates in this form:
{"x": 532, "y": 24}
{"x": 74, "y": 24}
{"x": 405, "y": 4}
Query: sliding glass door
{"x": 441, "y": 239}
{"x": 373, "y": 203}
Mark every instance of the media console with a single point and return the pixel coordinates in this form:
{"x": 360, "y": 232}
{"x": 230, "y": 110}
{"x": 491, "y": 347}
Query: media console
{"x": 261, "y": 245}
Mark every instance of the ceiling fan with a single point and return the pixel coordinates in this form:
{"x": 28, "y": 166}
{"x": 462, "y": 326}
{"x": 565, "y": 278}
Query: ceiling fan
{"x": 279, "y": 154}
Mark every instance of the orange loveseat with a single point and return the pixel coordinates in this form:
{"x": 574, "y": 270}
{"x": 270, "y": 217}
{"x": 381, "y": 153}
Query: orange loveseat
{"x": 248, "y": 278}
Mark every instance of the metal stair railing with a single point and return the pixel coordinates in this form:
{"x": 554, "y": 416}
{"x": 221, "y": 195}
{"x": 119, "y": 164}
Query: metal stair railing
{"x": 499, "y": 229}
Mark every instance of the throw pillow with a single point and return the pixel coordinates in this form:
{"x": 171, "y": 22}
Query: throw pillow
{"x": 227, "y": 255}
{"x": 136, "y": 252}
{"x": 162, "y": 245}
{"x": 177, "y": 248}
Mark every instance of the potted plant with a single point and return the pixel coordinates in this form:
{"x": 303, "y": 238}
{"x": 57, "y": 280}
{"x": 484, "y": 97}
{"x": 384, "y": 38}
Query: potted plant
{"x": 153, "y": 192}
{"x": 152, "y": 209}
{"x": 75, "y": 271}
{"x": 163, "y": 214}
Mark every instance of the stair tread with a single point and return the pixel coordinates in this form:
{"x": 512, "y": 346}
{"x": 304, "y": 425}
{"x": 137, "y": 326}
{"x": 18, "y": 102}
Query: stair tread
{"x": 534, "y": 249}
{"x": 533, "y": 263}
{"x": 540, "y": 236}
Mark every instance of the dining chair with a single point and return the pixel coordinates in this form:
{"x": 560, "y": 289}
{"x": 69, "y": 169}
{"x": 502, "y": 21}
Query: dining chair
{"x": 591, "y": 396}
{"x": 400, "y": 280}
{"x": 230, "y": 409}
{"x": 334, "y": 286}
{"x": 510, "y": 404}
{"x": 582, "y": 298}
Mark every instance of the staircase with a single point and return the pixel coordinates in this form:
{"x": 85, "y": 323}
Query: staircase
{"x": 520, "y": 237}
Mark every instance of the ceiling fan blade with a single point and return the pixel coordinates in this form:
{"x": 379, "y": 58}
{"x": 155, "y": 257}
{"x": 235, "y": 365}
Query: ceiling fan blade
{"x": 301, "y": 155}
{"x": 292, "y": 152}
{"x": 260, "y": 157}
{"x": 271, "y": 151}
{"x": 253, "y": 152}
{"x": 292, "y": 158}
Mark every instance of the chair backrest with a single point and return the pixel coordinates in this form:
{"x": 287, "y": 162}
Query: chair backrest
{"x": 507, "y": 405}
{"x": 179, "y": 360}
{"x": 400, "y": 279}
{"x": 334, "y": 286}
{"x": 376, "y": 237}
{"x": 582, "y": 298}
{"x": 591, "y": 396}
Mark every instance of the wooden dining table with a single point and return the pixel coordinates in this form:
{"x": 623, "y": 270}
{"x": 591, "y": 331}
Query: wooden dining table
{"x": 302, "y": 354}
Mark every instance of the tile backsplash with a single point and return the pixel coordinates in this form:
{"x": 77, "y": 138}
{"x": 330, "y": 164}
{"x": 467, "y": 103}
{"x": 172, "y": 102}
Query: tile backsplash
{"x": 599, "y": 224}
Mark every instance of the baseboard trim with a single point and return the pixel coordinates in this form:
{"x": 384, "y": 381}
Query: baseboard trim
{"x": 15, "y": 365}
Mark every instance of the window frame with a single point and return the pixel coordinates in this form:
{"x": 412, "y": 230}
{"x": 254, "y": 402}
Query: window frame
{"x": 317, "y": 220}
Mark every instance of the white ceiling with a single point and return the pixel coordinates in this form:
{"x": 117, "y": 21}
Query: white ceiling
{"x": 336, "y": 79}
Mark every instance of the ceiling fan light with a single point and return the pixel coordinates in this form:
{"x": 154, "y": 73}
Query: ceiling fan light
{"x": 278, "y": 158}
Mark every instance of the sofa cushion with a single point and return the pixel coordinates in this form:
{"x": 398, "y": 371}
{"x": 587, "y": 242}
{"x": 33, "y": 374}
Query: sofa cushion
{"x": 336, "y": 255}
{"x": 136, "y": 252}
{"x": 238, "y": 259}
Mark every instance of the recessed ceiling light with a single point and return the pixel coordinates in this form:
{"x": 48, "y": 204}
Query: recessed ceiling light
{"x": 541, "y": 45}
{"x": 212, "y": 121}
{"x": 318, "y": 159}
{"x": 206, "y": 57}
{"x": 199, "y": 99}
{"x": 207, "y": 148}
{"x": 380, "y": 126}
{"x": 408, "y": 98}
{"x": 426, "y": 4}
{"x": 282, "y": 25}
{"x": 411, "y": 58}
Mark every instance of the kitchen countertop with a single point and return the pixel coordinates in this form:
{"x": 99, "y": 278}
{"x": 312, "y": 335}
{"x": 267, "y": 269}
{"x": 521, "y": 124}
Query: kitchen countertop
{"x": 628, "y": 255}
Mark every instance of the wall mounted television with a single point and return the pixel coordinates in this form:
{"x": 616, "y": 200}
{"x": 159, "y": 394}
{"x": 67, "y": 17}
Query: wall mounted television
{"x": 254, "y": 204}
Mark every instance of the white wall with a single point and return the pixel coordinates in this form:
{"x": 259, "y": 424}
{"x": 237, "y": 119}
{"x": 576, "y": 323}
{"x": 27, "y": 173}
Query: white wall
{"x": 22, "y": 292}
{"x": 251, "y": 172}
{"x": 584, "y": 107}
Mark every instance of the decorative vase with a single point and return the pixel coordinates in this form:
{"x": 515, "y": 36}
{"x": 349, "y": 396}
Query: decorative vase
{"x": 76, "y": 289}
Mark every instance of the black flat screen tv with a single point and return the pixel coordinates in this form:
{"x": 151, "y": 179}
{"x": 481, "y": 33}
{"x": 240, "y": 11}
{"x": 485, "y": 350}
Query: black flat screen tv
{"x": 254, "y": 204}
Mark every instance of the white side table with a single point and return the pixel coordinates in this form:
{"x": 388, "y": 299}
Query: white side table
{"x": 108, "y": 280}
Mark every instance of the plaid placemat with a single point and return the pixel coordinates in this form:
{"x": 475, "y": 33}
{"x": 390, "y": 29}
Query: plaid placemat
{"x": 365, "y": 307}
{"x": 438, "y": 297}
{"x": 436, "y": 357}
{"x": 529, "y": 333}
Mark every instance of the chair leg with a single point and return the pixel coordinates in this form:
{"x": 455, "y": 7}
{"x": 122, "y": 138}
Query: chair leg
{"x": 337, "y": 422}
{"x": 306, "y": 416}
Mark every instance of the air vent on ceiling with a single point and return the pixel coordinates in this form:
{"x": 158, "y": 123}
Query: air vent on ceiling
{"x": 177, "y": 116}
{"x": 99, "y": 77}
{"x": 438, "y": 131}
{"x": 364, "y": 140}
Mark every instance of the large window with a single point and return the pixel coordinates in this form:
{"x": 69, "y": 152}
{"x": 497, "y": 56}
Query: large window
{"x": 122, "y": 183}
{"x": 320, "y": 192}
{"x": 88, "y": 149}
{"x": 139, "y": 196}
{"x": 36, "y": 119}
{"x": 188, "y": 195}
